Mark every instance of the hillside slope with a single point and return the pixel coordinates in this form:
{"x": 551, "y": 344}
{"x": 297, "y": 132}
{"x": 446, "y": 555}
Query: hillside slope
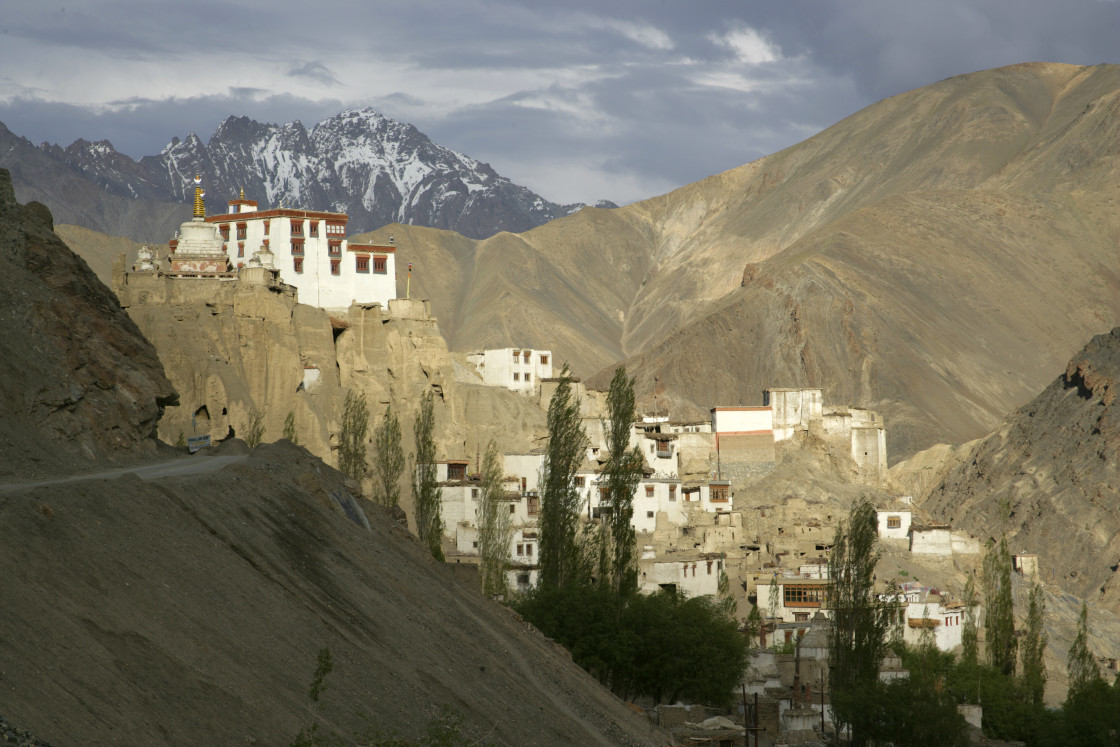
{"x": 190, "y": 611}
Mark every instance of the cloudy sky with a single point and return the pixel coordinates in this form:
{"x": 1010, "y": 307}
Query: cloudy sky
{"x": 577, "y": 100}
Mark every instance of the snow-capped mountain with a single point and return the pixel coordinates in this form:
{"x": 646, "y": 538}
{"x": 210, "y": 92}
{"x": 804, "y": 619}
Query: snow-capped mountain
{"x": 359, "y": 162}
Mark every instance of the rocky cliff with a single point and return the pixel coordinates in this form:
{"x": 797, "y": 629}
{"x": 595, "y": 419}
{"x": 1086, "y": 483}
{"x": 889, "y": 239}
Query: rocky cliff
{"x": 235, "y": 349}
{"x": 1050, "y": 477}
{"x": 79, "y": 384}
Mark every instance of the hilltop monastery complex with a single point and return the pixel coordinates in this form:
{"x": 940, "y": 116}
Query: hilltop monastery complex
{"x": 690, "y": 533}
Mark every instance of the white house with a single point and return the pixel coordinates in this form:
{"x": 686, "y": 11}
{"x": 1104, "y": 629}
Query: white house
{"x": 311, "y": 252}
{"x": 894, "y": 523}
{"x": 799, "y": 598}
{"x": 517, "y": 369}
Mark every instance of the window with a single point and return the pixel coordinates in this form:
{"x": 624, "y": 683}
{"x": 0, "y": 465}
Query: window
{"x": 297, "y": 247}
{"x": 649, "y": 491}
{"x": 241, "y": 231}
{"x": 512, "y": 508}
{"x": 267, "y": 225}
{"x": 361, "y": 263}
{"x": 474, "y": 545}
{"x": 516, "y": 376}
{"x": 800, "y": 616}
{"x": 528, "y": 377}
{"x": 533, "y": 503}
{"x": 672, "y": 492}
{"x": 525, "y": 356}
{"x": 894, "y": 522}
{"x": 336, "y": 266}
{"x": 544, "y": 360}
{"x": 803, "y": 595}
{"x": 516, "y": 355}
{"x": 456, "y": 472}
{"x": 240, "y": 248}
{"x": 297, "y": 227}
{"x": 579, "y": 481}
{"x": 474, "y": 493}
{"x": 520, "y": 550}
{"x": 297, "y": 264}
{"x": 718, "y": 493}
{"x": 334, "y": 248}
{"x": 529, "y": 549}
{"x": 379, "y": 264}
{"x": 649, "y": 514}
{"x": 225, "y": 232}
{"x": 709, "y": 567}
{"x": 313, "y": 229}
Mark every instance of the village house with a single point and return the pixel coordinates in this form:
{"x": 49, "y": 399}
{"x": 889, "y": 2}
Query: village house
{"x": 516, "y": 369}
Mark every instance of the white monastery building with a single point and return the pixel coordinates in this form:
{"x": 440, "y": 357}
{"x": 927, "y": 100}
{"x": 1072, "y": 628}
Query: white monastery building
{"x": 308, "y": 248}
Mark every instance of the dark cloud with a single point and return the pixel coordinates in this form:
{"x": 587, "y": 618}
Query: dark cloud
{"x": 637, "y": 96}
{"x": 315, "y": 71}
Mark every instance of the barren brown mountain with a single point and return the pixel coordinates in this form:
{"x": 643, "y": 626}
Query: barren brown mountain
{"x": 935, "y": 255}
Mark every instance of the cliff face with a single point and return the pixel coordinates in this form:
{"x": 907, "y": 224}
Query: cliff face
{"x": 234, "y": 349}
{"x": 1051, "y": 475}
{"x": 78, "y": 382}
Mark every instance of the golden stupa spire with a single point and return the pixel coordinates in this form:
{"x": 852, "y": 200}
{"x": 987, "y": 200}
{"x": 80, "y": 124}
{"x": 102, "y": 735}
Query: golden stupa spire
{"x": 242, "y": 194}
{"x": 199, "y": 207}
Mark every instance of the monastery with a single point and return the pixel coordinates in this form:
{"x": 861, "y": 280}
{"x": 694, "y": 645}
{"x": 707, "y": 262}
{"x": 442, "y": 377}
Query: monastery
{"x": 302, "y": 249}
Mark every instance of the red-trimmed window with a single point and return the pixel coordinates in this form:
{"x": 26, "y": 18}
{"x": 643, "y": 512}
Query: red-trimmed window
{"x": 544, "y": 360}
{"x": 297, "y": 227}
{"x": 334, "y": 248}
{"x": 361, "y": 263}
{"x": 225, "y": 232}
{"x": 336, "y": 266}
{"x": 297, "y": 247}
{"x": 297, "y": 264}
{"x": 241, "y": 228}
{"x": 240, "y": 248}
{"x": 313, "y": 229}
{"x": 267, "y": 223}
{"x": 649, "y": 491}
{"x": 379, "y": 264}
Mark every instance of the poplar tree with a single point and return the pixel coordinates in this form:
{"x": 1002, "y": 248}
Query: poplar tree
{"x": 1034, "y": 645}
{"x": 352, "y": 437}
{"x": 970, "y": 649}
{"x": 388, "y": 460}
{"x": 1081, "y": 664}
{"x": 860, "y": 623}
{"x": 494, "y": 532}
{"x": 621, "y": 475}
{"x": 425, "y": 487}
{"x": 999, "y": 613}
{"x": 560, "y": 560}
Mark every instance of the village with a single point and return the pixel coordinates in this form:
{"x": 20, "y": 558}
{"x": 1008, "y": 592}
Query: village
{"x": 699, "y": 525}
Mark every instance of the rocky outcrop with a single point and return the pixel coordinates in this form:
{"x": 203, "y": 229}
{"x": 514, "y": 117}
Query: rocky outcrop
{"x": 237, "y": 350}
{"x": 78, "y": 381}
{"x": 1050, "y": 477}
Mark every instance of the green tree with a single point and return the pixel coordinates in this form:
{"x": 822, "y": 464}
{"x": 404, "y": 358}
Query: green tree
{"x": 621, "y": 475}
{"x": 970, "y": 648}
{"x": 1081, "y": 664}
{"x": 999, "y": 613}
{"x": 255, "y": 431}
{"x": 1034, "y": 645}
{"x": 560, "y": 553}
{"x": 290, "y": 428}
{"x": 388, "y": 460}
{"x": 858, "y": 636}
{"x": 426, "y": 494}
{"x": 494, "y": 532}
{"x": 352, "y": 437}
{"x": 310, "y": 737}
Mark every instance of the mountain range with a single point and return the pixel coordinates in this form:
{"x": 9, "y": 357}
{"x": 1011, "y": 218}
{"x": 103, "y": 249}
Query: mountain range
{"x": 935, "y": 256}
{"x": 373, "y": 168}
